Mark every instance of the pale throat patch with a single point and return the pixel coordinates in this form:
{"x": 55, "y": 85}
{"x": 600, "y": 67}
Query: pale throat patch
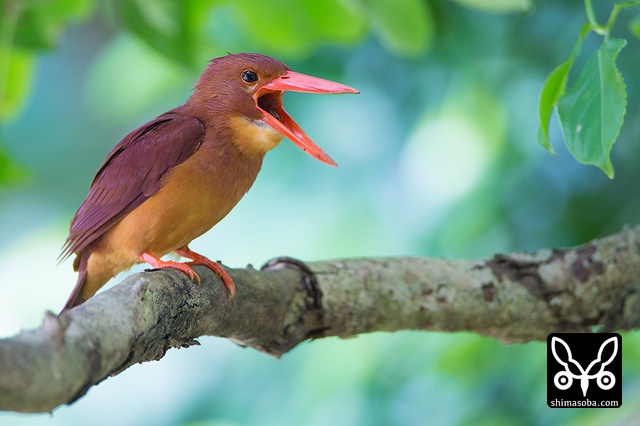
{"x": 254, "y": 137}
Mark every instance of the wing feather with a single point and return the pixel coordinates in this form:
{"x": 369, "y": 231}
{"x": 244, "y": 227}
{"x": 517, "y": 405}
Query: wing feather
{"x": 132, "y": 173}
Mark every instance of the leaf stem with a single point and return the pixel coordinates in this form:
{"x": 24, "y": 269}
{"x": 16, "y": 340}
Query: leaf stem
{"x": 593, "y": 22}
{"x": 611, "y": 21}
{"x": 614, "y": 15}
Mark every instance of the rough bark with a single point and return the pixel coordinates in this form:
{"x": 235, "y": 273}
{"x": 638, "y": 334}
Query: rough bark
{"x": 514, "y": 298}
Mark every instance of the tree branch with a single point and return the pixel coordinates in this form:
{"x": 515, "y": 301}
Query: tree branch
{"x": 513, "y": 298}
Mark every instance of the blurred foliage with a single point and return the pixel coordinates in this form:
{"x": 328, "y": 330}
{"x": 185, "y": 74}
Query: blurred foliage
{"x": 185, "y": 32}
{"x": 437, "y": 154}
{"x": 26, "y": 27}
{"x": 499, "y": 5}
{"x": 181, "y": 30}
{"x": 10, "y": 172}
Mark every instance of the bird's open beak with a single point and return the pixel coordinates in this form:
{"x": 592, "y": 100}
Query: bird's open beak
{"x": 269, "y": 100}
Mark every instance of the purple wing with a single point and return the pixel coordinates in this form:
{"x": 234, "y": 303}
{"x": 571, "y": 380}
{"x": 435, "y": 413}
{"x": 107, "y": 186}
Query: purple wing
{"x": 131, "y": 174}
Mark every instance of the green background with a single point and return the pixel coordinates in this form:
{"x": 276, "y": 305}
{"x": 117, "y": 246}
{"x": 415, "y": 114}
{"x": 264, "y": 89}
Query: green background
{"x": 438, "y": 157}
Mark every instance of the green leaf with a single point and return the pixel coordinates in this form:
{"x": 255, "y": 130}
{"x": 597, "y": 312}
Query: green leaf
{"x": 627, "y": 4}
{"x": 10, "y": 172}
{"x": 553, "y": 88}
{"x": 35, "y": 32}
{"x": 293, "y": 27}
{"x": 166, "y": 26}
{"x": 592, "y": 111}
{"x": 40, "y": 23}
{"x": 16, "y": 81}
{"x": 634, "y": 26}
{"x": 405, "y": 27}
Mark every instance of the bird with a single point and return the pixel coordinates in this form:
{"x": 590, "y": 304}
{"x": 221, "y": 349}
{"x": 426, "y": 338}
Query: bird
{"x": 172, "y": 179}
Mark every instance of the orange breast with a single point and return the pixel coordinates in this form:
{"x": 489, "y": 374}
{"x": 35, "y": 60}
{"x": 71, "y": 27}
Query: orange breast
{"x": 194, "y": 197}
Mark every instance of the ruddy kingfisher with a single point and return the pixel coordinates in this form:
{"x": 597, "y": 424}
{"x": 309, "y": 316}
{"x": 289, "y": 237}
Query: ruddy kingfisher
{"x": 172, "y": 179}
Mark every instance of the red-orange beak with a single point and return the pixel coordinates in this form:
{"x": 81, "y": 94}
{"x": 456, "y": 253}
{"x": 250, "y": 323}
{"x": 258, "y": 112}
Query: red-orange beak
{"x": 269, "y": 100}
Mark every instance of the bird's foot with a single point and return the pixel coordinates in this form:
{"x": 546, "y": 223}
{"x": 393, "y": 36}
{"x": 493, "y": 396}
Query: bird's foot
{"x": 158, "y": 264}
{"x": 198, "y": 259}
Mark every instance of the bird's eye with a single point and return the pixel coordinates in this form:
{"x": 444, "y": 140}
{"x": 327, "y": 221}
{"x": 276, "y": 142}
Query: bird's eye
{"x": 249, "y": 76}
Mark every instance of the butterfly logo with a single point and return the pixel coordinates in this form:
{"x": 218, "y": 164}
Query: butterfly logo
{"x": 564, "y": 379}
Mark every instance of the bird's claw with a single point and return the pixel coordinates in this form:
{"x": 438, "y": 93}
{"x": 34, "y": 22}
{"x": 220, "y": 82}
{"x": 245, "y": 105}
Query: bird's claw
{"x": 198, "y": 259}
{"x": 159, "y": 264}
{"x": 219, "y": 271}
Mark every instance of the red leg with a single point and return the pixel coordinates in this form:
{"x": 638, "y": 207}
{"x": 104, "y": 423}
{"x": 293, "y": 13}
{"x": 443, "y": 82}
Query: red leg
{"x": 198, "y": 259}
{"x": 158, "y": 263}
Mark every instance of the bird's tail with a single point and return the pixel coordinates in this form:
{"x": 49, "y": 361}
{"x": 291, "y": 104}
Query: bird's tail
{"x": 80, "y": 265}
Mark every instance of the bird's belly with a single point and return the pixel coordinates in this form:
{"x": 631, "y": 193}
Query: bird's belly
{"x": 187, "y": 206}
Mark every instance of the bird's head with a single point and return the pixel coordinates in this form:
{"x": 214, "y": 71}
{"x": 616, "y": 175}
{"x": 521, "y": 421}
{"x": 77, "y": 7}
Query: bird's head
{"x": 248, "y": 89}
